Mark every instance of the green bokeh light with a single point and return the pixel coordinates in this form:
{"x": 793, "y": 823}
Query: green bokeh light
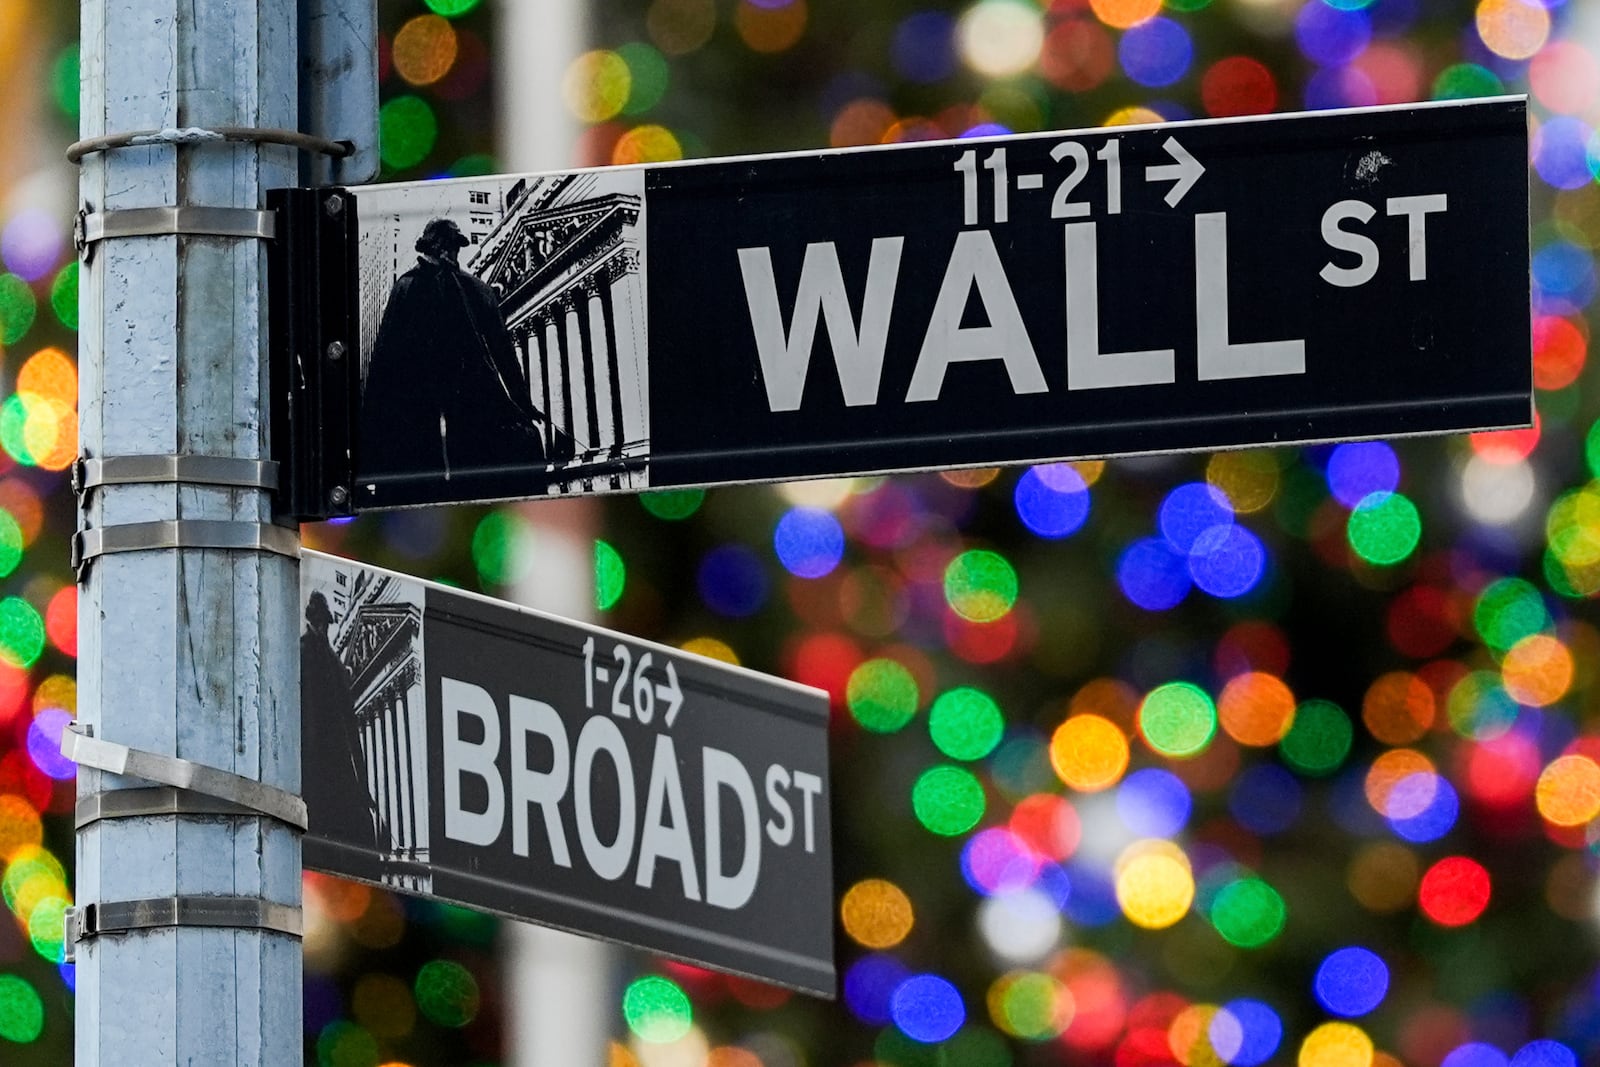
{"x": 34, "y": 863}
{"x": 672, "y": 504}
{"x": 21, "y": 1010}
{"x": 407, "y": 131}
{"x": 17, "y": 308}
{"x": 648, "y": 79}
{"x": 1507, "y": 611}
{"x": 451, "y": 9}
{"x": 11, "y": 543}
{"x": 980, "y": 586}
{"x": 499, "y": 546}
{"x": 610, "y": 576}
{"x": 21, "y": 632}
{"x": 1031, "y": 1005}
{"x": 473, "y": 165}
{"x": 1479, "y": 707}
{"x": 344, "y": 1044}
{"x": 64, "y": 295}
{"x": 1384, "y": 528}
{"x": 1248, "y": 913}
{"x": 1178, "y": 719}
{"x": 948, "y": 800}
{"x": 47, "y": 928}
{"x": 447, "y": 993}
{"x": 882, "y": 695}
{"x": 1591, "y": 449}
{"x": 64, "y": 80}
{"x": 1319, "y": 740}
{"x": 657, "y": 1009}
{"x": 965, "y": 723}
{"x": 13, "y": 424}
{"x": 1462, "y": 81}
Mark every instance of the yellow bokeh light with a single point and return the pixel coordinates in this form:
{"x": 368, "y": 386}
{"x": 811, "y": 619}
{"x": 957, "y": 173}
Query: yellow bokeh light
{"x": 1123, "y": 14}
{"x": 49, "y": 373}
{"x": 596, "y": 85}
{"x": 1132, "y": 116}
{"x": 711, "y": 648}
{"x": 826, "y": 493}
{"x": 1537, "y": 670}
{"x": 1030, "y": 1005}
{"x": 770, "y": 29}
{"x": 1256, "y": 708}
{"x": 975, "y": 478}
{"x": 1001, "y": 38}
{"x": 57, "y": 691}
{"x": 383, "y": 1004}
{"x": 1568, "y": 791}
{"x": 425, "y": 49}
{"x": 19, "y": 826}
{"x": 1515, "y": 29}
{"x": 646, "y": 144}
{"x": 1154, "y": 884}
{"x": 732, "y": 1056}
{"x": 1248, "y": 479}
{"x": 876, "y": 913}
{"x": 50, "y": 433}
{"x": 1089, "y": 753}
{"x": 1336, "y": 1045}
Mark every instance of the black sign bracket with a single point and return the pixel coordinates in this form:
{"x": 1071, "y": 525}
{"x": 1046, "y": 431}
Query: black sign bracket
{"x": 315, "y": 351}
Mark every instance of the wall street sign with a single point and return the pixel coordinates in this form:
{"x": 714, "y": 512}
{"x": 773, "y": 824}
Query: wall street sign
{"x": 1193, "y": 285}
{"x": 503, "y": 759}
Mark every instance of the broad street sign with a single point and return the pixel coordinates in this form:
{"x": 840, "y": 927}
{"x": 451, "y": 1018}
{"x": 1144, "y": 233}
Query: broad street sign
{"x": 493, "y": 756}
{"x": 1194, "y": 285}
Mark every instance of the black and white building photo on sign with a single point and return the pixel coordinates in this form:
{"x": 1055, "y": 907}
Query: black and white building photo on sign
{"x": 503, "y": 338}
{"x": 364, "y": 741}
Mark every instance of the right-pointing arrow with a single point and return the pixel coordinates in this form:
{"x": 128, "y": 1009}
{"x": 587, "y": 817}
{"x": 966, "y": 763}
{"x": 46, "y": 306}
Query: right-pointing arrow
{"x": 1184, "y": 171}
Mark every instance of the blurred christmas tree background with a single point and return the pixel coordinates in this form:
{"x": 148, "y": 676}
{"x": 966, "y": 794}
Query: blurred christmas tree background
{"x": 1281, "y": 756}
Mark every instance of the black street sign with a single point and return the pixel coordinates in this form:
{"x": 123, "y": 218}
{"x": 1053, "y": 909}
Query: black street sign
{"x": 499, "y": 758}
{"x": 1194, "y": 285}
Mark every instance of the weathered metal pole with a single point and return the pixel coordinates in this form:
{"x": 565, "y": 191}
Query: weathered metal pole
{"x": 189, "y": 906}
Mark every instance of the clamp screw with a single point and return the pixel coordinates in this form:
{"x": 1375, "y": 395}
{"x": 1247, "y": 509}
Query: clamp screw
{"x": 336, "y": 350}
{"x": 333, "y": 205}
{"x": 339, "y": 496}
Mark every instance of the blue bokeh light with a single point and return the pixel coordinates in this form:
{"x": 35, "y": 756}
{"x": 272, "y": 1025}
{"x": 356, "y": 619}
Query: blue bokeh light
{"x": 809, "y": 542}
{"x": 1439, "y": 805}
{"x": 1357, "y": 468}
{"x": 927, "y": 1008}
{"x": 870, "y": 983}
{"x": 1330, "y": 37}
{"x": 732, "y": 581}
{"x": 1474, "y": 1054}
{"x": 1155, "y": 52}
{"x": 1245, "y": 1033}
{"x": 1561, "y": 152}
{"x": 1153, "y": 802}
{"x": 994, "y": 861}
{"x": 1052, "y": 501}
{"x": 1094, "y": 895}
{"x": 1544, "y": 1053}
{"x": 1190, "y": 510}
{"x": 1351, "y": 981}
{"x": 923, "y": 49}
{"x": 44, "y": 743}
{"x": 1227, "y": 561}
{"x": 1153, "y": 575}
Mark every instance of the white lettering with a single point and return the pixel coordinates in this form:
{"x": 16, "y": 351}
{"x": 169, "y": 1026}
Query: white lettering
{"x": 857, "y": 356}
{"x": 658, "y": 839}
{"x": 1219, "y": 357}
{"x": 974, "y": 260}
{"x": 1416, "y": 209}
{"x": 779, "y": 834}
{"x": 810, "y": 786}
{"x": 474, "y": 758}
{"x": 1346, "y": 241}
{"x": 544, "y": 788}
{"x": 1087, "y": 366}
{"x": 723, "y": 770}
{"x": 598, "y": 735}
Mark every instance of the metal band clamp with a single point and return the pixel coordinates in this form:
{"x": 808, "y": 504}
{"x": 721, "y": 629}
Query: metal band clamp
{"x": 169, "y": 221}
{"x": 182, "y": 533}
{"x": 185, "y": 469}
{"x": 260, "y": 798}
{"x": 200, "y": 135}
{"x": 123, "y": 916}
{"x": 152, "y": 800}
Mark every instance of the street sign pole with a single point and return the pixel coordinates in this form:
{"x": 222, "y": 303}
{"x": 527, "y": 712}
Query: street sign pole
{"x": 186, "y": 929}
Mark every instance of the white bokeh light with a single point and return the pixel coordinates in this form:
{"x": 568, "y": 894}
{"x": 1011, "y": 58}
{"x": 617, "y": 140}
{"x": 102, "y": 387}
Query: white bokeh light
{"x": 1000, "y": 38}
{"x": 1021, "y": 927}
{"x": 1496, "y": 493}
